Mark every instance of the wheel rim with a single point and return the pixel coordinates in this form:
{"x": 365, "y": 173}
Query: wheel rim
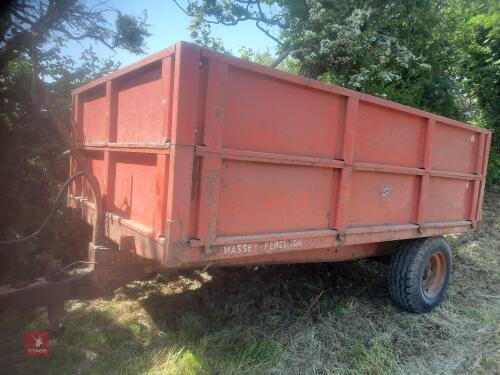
{"x": 434, "y": 275}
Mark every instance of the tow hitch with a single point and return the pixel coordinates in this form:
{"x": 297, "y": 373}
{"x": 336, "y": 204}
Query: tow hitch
{"x": 106, "y": 270}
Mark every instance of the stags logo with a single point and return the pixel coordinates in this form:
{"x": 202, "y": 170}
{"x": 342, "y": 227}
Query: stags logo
{"x": 37, "y": 344}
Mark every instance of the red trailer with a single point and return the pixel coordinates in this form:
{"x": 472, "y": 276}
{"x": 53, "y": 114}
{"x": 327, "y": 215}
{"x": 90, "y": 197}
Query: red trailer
{"x": 205, "y": 159}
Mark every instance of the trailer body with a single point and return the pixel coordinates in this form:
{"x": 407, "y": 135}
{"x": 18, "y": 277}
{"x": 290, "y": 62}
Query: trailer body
{"x": 206, "y": 159}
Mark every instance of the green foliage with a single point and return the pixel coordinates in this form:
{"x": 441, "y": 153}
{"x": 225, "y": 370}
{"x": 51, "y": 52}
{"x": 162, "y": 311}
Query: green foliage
{"x": 33, "y": 168}
{"x": 201, "y": 33}
{"x": 263, "y": 58}
{"x": 482, "y": 69}
{"x": 47, "y": 24}
{"x": 267, "y": 58}
{"x": 130, "y": 32}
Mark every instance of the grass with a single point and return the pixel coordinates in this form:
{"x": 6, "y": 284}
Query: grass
{"x": 300, "y": 319}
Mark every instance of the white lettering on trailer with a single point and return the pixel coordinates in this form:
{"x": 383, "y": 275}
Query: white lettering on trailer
{"x": 244, "y": 248}
{"x": 265, "y": 247}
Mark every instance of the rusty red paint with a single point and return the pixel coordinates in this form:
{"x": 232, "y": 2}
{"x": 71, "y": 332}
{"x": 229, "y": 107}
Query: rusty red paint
{"x": 205, "y": 158}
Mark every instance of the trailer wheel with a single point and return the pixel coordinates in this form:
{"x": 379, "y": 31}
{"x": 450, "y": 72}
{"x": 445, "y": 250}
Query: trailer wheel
{"x": 419, "y": 273}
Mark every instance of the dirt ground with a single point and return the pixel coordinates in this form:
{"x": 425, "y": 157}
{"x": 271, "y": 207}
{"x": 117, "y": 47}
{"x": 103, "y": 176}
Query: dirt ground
{"x": 296, "y": 319}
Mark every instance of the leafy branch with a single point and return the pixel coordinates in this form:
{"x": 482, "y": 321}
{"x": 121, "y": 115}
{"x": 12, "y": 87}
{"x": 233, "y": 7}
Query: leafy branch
{"x": 28, "y": 23}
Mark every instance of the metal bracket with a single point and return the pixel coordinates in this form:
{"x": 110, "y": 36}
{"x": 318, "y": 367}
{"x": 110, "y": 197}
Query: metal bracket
{"x": 127, "y": 243}
{"x": 209, "y": 250}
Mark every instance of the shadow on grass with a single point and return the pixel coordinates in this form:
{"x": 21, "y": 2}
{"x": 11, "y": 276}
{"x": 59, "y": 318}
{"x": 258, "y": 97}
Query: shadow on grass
{"x": 231, "y": 320}
{"x": 199, "y": 322}
{"x": 253, "y": 294}
{"x": 224, "y": 322}
{"x": 92, "y": 340}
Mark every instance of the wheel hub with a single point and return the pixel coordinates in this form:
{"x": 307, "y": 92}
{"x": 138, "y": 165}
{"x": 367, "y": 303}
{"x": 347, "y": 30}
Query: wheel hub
{"x": 434, "y": 275}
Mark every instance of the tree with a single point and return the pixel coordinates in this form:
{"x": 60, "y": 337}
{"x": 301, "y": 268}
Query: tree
{"x": 25, "y": 24}
{"x": 482, "y": 68}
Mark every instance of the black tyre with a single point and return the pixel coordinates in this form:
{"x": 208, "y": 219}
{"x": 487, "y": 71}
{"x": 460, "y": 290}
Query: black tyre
{"x": 419, "y": 273}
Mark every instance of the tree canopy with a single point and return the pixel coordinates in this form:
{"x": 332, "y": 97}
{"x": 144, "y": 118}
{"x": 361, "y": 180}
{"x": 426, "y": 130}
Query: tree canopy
{"x": 25, "y": 24}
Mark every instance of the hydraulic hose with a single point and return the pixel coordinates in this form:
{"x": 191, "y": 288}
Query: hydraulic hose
{"x": 49, "y": 216}
{"x": 98, "y": 232}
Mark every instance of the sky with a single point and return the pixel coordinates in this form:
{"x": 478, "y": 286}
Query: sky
{"x": 168, "y": 24}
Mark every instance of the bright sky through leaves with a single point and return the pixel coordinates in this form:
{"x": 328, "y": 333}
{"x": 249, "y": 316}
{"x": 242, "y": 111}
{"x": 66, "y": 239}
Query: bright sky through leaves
{"x": 168, "y": 24}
